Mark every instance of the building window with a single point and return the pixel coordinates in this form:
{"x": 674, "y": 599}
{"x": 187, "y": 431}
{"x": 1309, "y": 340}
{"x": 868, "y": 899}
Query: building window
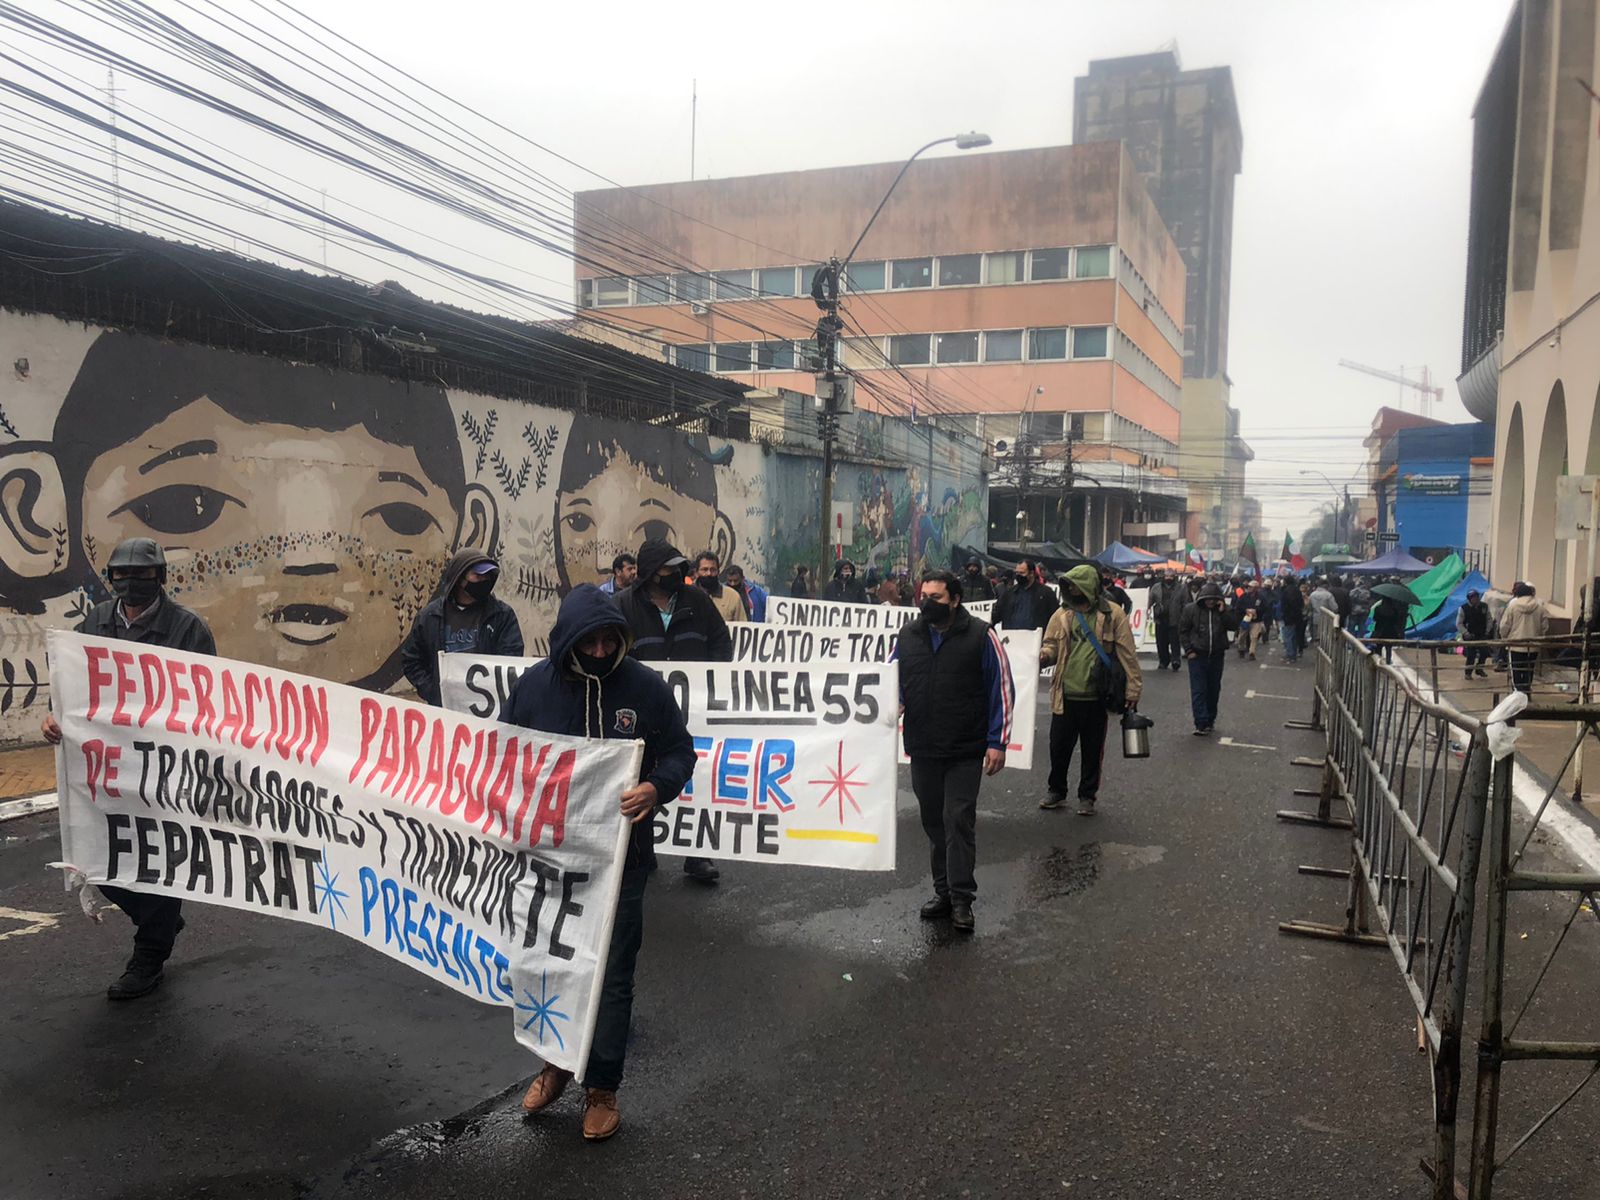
{"x": 1002, "y": 345}
{"x": 959, "y": 270}
{"x": 694, "y": 358}
{"x": 652, "y": 289}
{"x": 585, "y": 293}
{"x": 1046, "y": 427}
{"x": 807, "y": 356}
{"x": 958, "y": 347}
{"x": 732, "y": 285}
{"x": 611, "y": 292}
{"x": 1047, "y": 343}
{"x": 1089, "y": 341}
{"x": 733, "y": 356}
{"x": 774, "y": 356}
{"x": 1010, "y": 267}
{"x": 865, "y": 277}
{"x": 860, "y": 354}
{"x": 691, "y": 289}
{"x": 1092, "y": 262}
{"x": 1050, "y": 264}
{"x": 910, "y": 273}
{"x": 776, "y": 281}
{"x": 909, "y": 349}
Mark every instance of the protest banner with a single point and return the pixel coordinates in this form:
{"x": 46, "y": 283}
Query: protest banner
{"x": 982, "y": 609}
{"x": 795, "y": 764}
{"x": 1142, "y": 616}
{"x": 485, "y": 856}
{"x": 815, "y": 640}
{"x": 834, "y": 614}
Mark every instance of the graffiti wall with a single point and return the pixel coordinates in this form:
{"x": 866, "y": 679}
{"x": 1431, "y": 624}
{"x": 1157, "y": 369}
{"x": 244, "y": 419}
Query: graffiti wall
{"x": 307, "y": 513}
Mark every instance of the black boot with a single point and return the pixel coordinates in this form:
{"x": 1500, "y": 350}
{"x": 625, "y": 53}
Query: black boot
{"x": 701, "y": 870}
{"x": 936, "y": 908}
{"x": 142, "y": 977}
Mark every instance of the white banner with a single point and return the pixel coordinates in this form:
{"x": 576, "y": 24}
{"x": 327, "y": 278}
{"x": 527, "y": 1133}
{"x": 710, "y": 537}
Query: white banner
{"x": 831, "y": 614}
{"x": 795, "y": 764}
{"x": 805, "y": 644}
{"x": 1142, "y": 616}
{"x": 485, "y": 856}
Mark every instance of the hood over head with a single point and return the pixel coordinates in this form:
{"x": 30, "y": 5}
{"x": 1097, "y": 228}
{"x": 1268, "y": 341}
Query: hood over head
{"x": 585, "y": 609}
{"x": 1086, "y": 579}
{"x": 838, "y": 567}
{"x": 1210, "y": 592}
{"x": 655, "y": 554}
{"x": 460, "y": 563}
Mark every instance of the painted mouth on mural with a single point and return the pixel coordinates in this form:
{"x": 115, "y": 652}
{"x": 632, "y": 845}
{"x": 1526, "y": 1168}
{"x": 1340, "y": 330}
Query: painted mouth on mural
{"x": 307, "y": 624}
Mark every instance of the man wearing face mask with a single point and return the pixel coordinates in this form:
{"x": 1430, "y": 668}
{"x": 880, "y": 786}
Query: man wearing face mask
{"x": 973, "y": 584}
{"x": 142, "y": 612}
{"x": 1204, "y": 634}
{"x": 1028, "y": 604}
{"x": 957, "y": 695}
{"x": 462, "y": 618}
{"x": 844, "y": 587}
{"x": 707, "y": 569}
{"x": 1078, "y": 715}
{"x": 588, "y": 686}
{"x": 668, "y": 621}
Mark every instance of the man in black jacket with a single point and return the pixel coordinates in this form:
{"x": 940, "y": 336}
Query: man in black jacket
{"x": 1472, "y": 626}
{"x": 844, "y": 587}
{"x": 590, "y": 687}
{"x": 1027, "y": 604}
{"x": 142, "y": 612}
{"x": 1204, "y": 633}
{"x": 1169, "y": 597}
{"x": 973, "y": 584}
{"x": 957, "y": 695}
{"x": 668, "y": 621}
{"x": 462, "y": 618}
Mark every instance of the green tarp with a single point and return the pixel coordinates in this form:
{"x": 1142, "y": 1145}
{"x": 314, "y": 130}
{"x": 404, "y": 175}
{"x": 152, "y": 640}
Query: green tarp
{"x": 1434, "y": 588}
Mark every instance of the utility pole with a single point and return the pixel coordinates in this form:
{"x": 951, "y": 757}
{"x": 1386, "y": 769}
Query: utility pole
{"x": 825, "y": 292}
{"x": 111, "y": 91}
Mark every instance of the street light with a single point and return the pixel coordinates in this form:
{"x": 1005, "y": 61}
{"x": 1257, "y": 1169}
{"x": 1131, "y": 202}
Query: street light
{"x": 825, "y": 291}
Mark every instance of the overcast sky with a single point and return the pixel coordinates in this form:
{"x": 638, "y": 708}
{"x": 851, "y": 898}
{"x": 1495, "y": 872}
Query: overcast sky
{"x": 1350, "y": 222}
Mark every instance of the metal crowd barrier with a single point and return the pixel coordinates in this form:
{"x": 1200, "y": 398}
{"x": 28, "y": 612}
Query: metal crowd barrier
{"x": 1412, "y": 776}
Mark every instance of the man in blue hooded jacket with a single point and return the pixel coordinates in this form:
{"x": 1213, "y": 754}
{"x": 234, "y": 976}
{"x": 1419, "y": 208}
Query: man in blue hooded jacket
{"x": 590, "y": 687}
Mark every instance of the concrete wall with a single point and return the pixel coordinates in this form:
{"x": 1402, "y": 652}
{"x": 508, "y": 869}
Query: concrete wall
{"x": 307, "y": 513}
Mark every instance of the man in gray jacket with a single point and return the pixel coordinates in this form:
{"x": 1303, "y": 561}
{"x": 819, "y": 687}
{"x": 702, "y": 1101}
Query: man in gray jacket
{"x": 1169, "y": 597}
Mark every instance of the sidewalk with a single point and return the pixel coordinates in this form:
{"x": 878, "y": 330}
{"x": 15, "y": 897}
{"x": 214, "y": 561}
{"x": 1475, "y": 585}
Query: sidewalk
{"x": 27, "y": 772}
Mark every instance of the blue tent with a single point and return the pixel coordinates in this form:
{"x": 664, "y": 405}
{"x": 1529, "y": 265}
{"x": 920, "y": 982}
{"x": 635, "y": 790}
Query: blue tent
{"x": 1124, "y": 558}
{"x": 1442, "y": 625}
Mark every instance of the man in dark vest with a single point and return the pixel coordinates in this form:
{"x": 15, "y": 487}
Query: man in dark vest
{"x": 957, "y": 696}
{"x": 1472, "y": 626}
{"x": 142, "y": 612}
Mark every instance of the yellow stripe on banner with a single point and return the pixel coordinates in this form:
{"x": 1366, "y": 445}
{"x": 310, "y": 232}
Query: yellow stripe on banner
{"x": 831, "y": 835}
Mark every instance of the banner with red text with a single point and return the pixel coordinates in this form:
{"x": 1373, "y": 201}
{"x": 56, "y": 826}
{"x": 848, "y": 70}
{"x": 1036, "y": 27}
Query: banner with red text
{"x": 485, "y": 856}
{"x": 796, "y": 764}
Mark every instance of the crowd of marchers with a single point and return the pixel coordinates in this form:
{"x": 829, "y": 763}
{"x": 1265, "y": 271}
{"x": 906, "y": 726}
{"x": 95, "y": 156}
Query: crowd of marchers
{"x": 957, "y": 697}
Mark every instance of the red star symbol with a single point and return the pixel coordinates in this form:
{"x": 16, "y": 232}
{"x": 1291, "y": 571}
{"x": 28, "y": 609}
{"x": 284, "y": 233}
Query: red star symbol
{"x": 839, "y": 783}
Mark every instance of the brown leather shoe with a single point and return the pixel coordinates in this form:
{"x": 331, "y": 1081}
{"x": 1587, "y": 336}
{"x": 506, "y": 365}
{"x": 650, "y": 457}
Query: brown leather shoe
{"x": 546, "y": 1089}
{"x": 600, "y": 1116}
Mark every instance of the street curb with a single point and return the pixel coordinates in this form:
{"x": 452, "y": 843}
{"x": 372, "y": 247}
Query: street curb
{"x": 27, "y": 806}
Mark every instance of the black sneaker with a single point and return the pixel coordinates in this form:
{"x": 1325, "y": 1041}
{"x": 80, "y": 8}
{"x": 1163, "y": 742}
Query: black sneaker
{"x": 700, "y": 870}
{"x": 961, "y": 918}
{"x": 936, "y": 909}
{"x": 1086, "y": 806}
{"x": 136, "y": 981}
{"x": 1053, "y": 800}
{"x": 1200, "y": 731}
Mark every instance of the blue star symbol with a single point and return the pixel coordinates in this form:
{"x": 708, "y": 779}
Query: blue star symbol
{"x": 543, "y": 1011}
{"x": 329, "y": 898}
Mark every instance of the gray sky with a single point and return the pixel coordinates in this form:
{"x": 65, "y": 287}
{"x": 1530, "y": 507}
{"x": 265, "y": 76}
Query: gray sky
{"x": 1350, "y": 222}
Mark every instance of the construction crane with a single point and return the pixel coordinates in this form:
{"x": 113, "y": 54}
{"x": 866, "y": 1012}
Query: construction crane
{"x": 1425, "y": 385}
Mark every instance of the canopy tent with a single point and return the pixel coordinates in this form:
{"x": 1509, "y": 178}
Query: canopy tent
{"x": 1333, "y": 560}
{"x": 1442, "y": 624}
{"x": 1126, "y": 558}
{"x": 1395, "y": 562}
{"x": 1056, "y": 557}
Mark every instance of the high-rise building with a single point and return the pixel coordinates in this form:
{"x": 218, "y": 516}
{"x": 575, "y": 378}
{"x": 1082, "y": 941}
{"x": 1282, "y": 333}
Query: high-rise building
{"x": 1030, "y": 297}
{"x": 1182, "y": 130}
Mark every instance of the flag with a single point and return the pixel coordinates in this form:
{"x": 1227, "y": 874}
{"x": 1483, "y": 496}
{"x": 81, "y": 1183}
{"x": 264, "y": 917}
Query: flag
{"x": 1291, "y": 552}
{"x": 1247, "y": 554}
{"x": 1195, "y": 557}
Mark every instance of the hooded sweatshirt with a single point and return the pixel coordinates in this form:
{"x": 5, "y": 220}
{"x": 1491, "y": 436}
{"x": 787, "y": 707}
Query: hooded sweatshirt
{"x": 497, "y": 630}
{"x": 630, "y": 700}
{"x": 1074, "y": 655}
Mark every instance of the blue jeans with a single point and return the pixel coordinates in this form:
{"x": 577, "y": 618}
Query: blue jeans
{"x": 1291, "y": 641}
{"x": 1205, "y": 688}
{"x": 610, "y": 1045}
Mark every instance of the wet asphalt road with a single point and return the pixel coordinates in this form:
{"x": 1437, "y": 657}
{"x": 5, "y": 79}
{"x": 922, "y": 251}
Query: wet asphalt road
{"x": 1127, "y": 1022}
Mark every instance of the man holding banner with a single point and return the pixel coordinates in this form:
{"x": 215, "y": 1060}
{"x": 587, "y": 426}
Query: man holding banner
{"x": 957, "y": 694}
{"x": 589, "y": 686}
{"x": 142, "y": 612}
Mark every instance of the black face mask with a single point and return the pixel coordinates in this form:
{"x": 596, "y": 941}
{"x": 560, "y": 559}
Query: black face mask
{"x": 599, "y": 665}
{"x": 1075, "y": 598}
{"x": 709, "y": 583}
{"x": 935, "y": 612}
{"x": 669, "y": 585}
{"x": 137, "y": 592}
{"x": 479, "y": 589}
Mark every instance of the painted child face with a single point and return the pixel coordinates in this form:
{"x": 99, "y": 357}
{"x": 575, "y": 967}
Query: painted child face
{"x": 302, "y": 548}
{"x": 617, "y": 511}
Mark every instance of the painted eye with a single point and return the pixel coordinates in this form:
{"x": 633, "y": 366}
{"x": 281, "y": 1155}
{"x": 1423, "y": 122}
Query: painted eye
{"x": 655, "y": 529}
{"x": 578, "y": 522}
{"x": 407, "y": 520}
{"x": 179, "y": 508}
